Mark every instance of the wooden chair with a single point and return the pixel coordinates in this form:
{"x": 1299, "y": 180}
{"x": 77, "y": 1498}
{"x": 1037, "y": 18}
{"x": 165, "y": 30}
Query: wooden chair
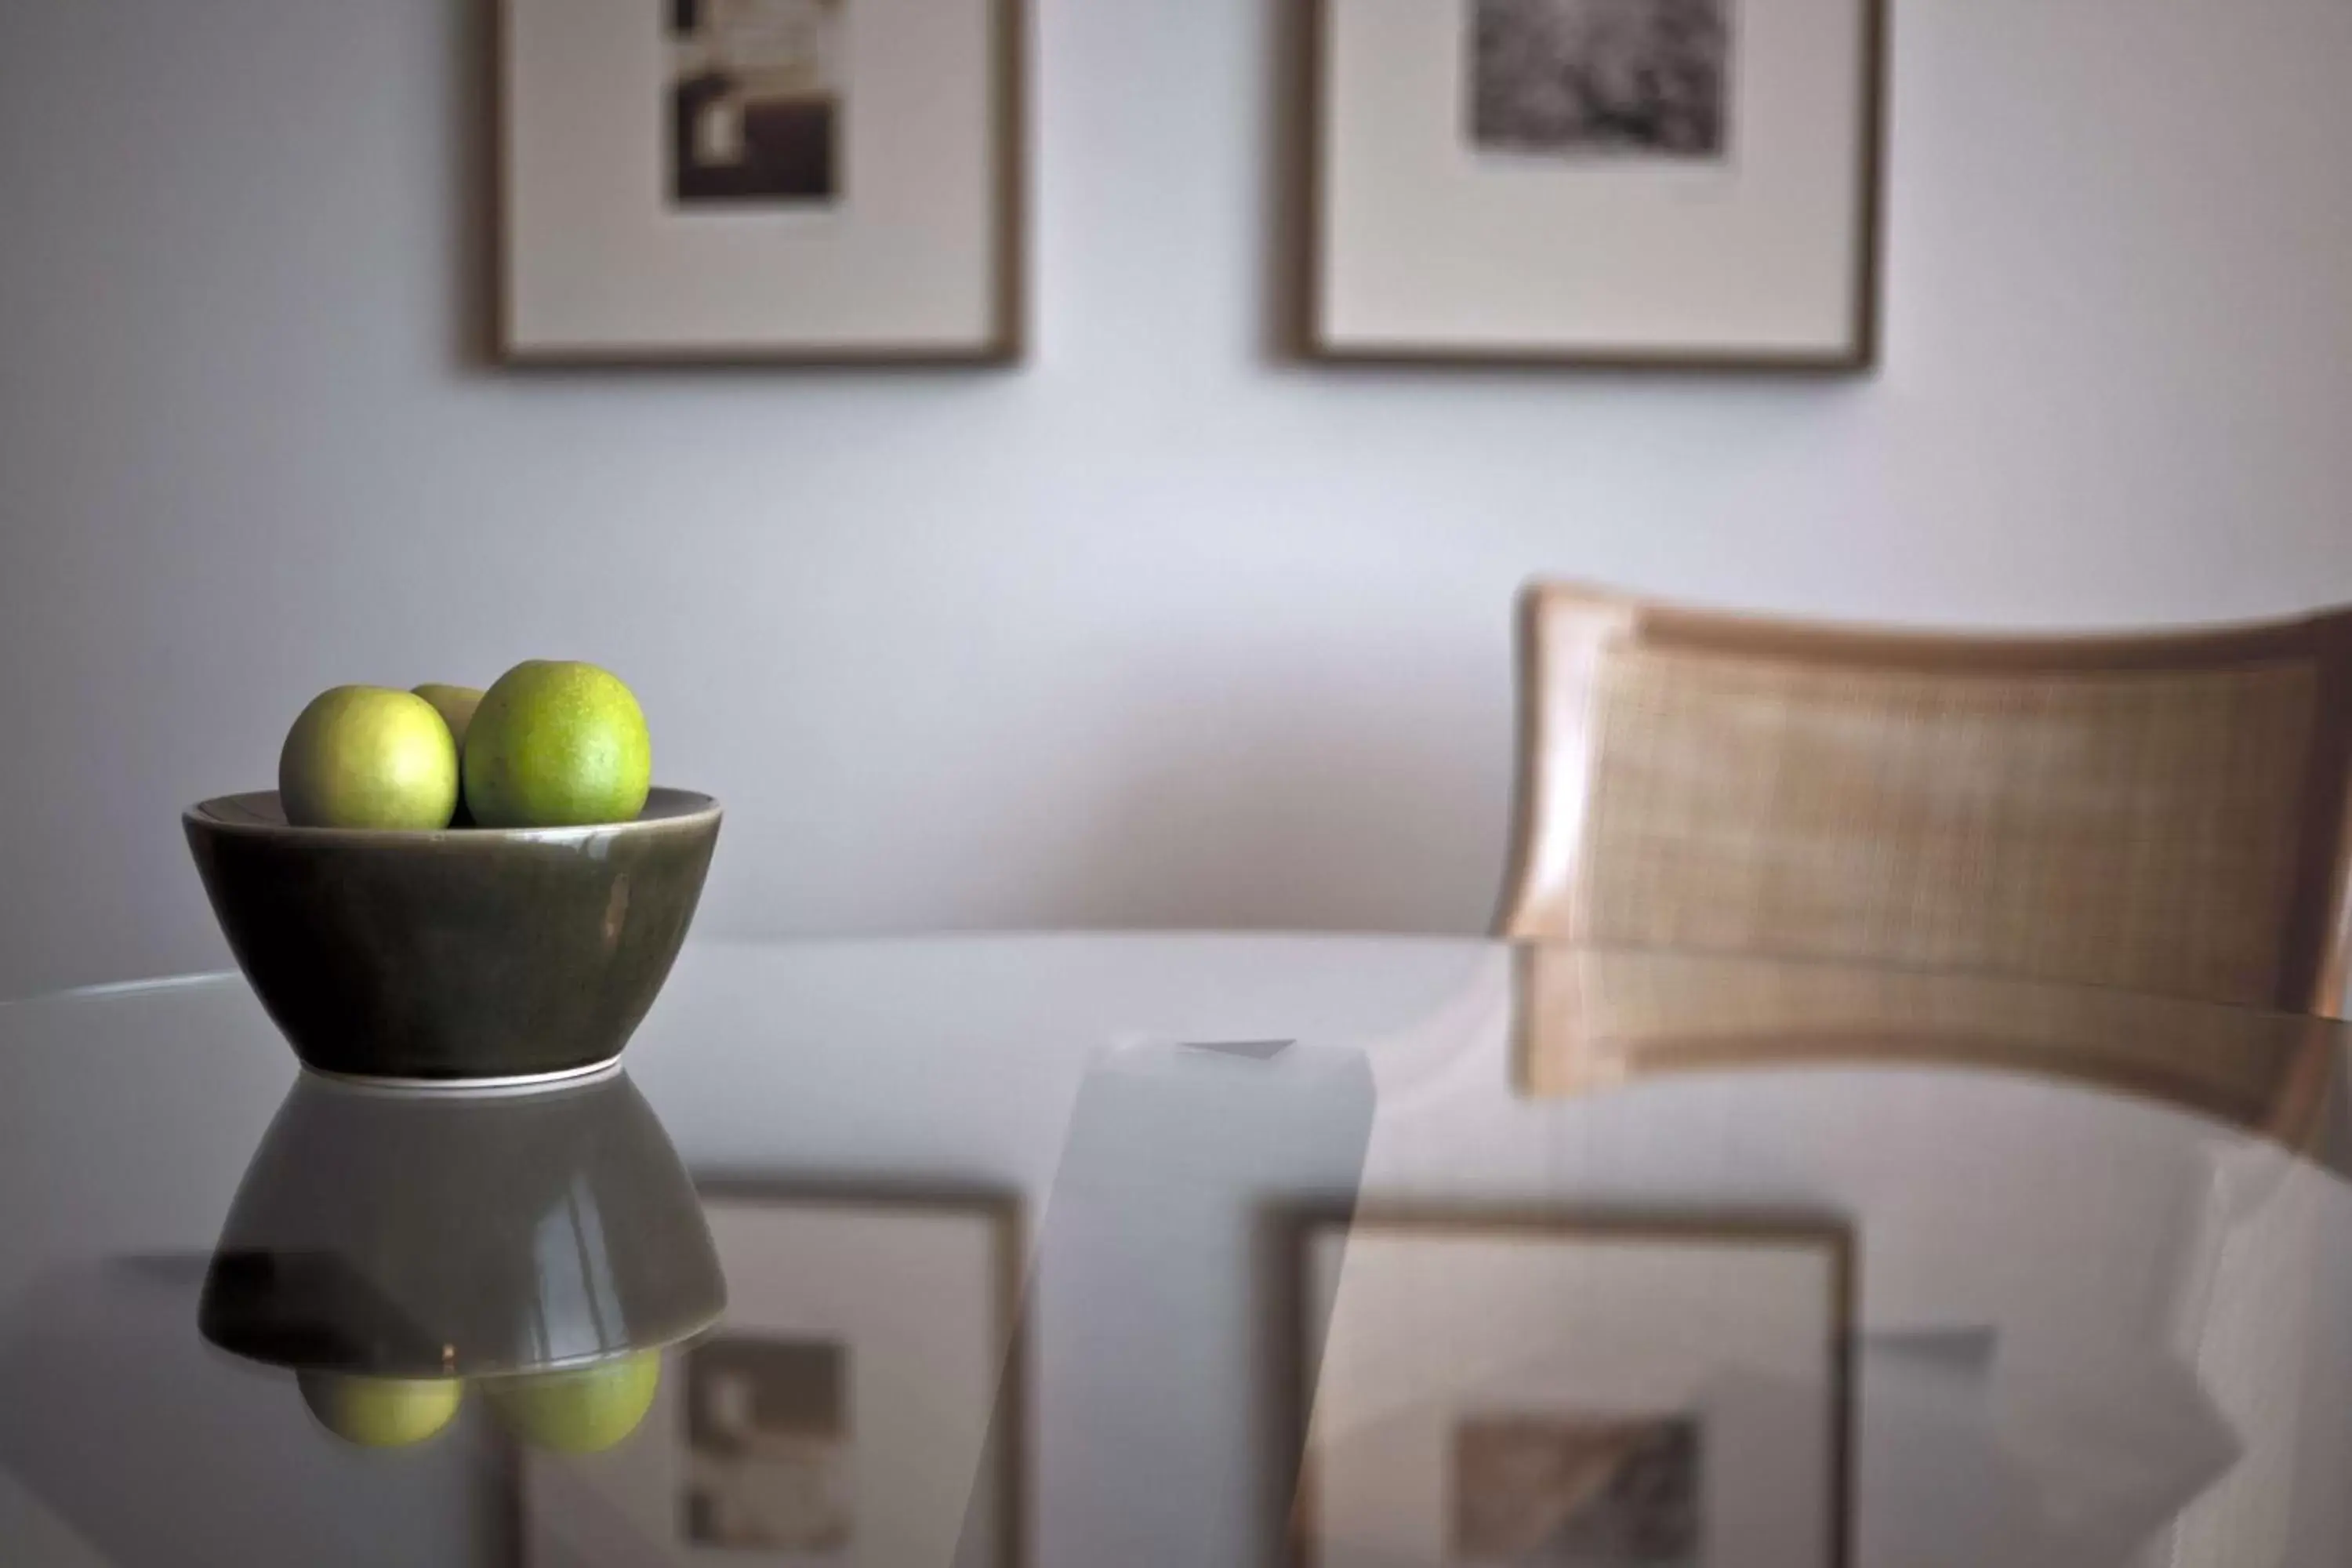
{"x": 2169, "y": 813}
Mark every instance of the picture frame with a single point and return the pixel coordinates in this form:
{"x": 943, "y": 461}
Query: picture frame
{"x": 1520, "y": 1385}
{"x": 783, "y": 183}
{"x": 1504, "y": 183}
{"x": 791, "y": 1434}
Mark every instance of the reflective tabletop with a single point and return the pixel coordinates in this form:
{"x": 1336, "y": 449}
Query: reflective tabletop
{"x": 1079, "y": 1251}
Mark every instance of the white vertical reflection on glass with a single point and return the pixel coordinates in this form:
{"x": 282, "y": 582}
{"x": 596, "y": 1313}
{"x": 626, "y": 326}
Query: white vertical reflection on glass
{"x": 574, "y": 1278}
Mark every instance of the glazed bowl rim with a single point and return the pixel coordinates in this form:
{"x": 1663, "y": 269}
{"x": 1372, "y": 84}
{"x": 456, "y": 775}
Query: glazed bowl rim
{"x": 666, "y": 810}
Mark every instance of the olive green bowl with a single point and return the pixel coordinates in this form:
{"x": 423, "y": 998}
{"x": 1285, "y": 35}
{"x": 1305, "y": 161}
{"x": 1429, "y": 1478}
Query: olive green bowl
{"x": 387, "y": 1232}
{"x": 469, "y": 956}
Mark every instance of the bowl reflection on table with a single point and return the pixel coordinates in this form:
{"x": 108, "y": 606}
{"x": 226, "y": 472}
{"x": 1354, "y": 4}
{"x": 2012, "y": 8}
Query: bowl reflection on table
{"x": 394, "y": 1235}
{"x": 469, "y": 953}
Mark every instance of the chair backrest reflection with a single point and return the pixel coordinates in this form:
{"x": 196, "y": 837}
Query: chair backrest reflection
{"x": 1590, "y": 1019}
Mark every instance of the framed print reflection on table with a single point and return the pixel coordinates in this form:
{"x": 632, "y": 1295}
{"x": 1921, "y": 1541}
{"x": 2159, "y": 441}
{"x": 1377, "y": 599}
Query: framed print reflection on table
{"x": 1492, "y": 1391}
{"x": 1596, "y": 182}
{"x": 844, "y": 1412}
{"x": 781, "y": 181}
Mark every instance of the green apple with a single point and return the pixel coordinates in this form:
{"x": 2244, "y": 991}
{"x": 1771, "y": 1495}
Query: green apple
{"x": 366, "y": 756}
{"x": 381, "y": 1412}
{"x": 583, "y": 1411}
{"x": 557, "y": 745}
{"x": 455, "y": 704}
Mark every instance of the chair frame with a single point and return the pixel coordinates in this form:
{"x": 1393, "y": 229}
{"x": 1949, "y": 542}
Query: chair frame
{"x": 1577, "y": 629}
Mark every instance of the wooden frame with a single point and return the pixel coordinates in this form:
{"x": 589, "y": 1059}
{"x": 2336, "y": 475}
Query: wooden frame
{"x": 1314, "y": 340}
{"x": 1833, "y": 1235}
{"x": 1568, "y": 633}
{"x": 1008, "y": 1437}
{"x": 1003, "y": 1209}
{"x": 1006, "y": 345}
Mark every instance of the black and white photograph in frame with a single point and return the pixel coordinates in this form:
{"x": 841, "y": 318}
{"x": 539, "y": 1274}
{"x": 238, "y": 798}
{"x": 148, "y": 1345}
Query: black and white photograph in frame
{"x": 755, "y": 100}
{"x": 1564, "y": 1491}
{"x": 794, "y": 182}
{"x": 1530, "y": 1390}
{"x": 770, "y": 1458}
{"x": 1630, "y": 79}
{"x": 1690, "y": 184}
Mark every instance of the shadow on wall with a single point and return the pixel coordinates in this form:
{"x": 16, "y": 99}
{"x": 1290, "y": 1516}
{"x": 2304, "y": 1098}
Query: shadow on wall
{"x": 473, "y": 181}
{"x": 1290, "y": 87}
{"x": 1250, "y": 805}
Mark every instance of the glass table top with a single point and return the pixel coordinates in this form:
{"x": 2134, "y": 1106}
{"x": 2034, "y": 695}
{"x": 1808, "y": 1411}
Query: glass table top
{"x": 1193, "y": 1249}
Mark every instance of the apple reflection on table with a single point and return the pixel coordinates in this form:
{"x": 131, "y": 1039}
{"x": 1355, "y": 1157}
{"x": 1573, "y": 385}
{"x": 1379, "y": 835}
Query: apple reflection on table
{"x": 394, "y": 1248}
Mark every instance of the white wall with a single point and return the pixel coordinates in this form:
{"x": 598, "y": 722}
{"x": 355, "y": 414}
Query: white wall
{"x": 1158, "y": 629}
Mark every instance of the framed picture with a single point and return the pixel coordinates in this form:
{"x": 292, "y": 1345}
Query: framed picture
{"x": 1493, "y": 1390}
{"x": 1596, "y": 182}
{"x": 813, "y": 181}
{"x": 846, "y": 1411}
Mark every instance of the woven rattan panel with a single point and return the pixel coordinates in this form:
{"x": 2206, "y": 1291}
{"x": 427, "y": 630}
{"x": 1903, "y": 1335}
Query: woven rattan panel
{"x": 2132, "y": 828}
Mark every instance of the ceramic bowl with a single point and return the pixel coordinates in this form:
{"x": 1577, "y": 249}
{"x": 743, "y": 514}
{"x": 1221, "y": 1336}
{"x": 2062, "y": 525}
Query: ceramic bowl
{"x": 468, "y": 955}
{"x": 421, "y": 1235}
